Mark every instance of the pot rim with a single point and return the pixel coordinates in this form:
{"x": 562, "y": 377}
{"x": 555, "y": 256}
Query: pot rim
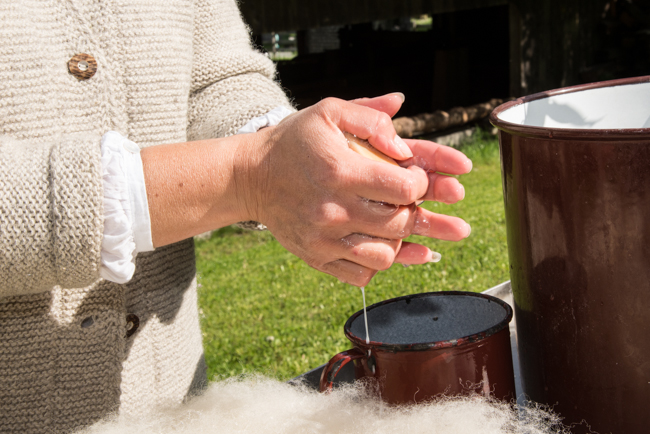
{"x": 422, "y": 346}
{"x": 627, "y": 134}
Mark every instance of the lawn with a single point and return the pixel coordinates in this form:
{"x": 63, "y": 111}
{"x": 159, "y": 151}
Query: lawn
{"x": 263, "y": 310}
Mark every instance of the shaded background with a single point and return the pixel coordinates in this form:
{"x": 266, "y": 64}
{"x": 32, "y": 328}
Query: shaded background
{"x": 444, "y": 53}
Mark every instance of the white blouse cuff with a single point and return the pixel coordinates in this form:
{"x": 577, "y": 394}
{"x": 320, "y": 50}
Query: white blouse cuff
{"x": 270, "y": 119}
{"x": 127, "y": 226}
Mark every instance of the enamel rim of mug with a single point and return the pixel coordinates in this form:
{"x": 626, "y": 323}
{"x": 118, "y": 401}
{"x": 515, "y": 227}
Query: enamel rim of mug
{"x": 423, "y": 346}
{"x": 629, "y": 134}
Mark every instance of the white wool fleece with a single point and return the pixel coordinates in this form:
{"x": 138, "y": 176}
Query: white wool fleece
{"x": 259, "y": 405}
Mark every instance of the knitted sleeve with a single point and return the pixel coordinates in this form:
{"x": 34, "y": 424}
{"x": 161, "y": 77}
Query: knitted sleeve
{"x": 50, "y": 214}
{"x": 231, "y": 82}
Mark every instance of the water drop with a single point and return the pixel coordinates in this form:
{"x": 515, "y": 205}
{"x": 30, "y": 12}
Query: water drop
{"x": 421, "y": 163}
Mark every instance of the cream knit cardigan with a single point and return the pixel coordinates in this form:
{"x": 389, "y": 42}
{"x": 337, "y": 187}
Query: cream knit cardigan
{"x": 168, "y": 71}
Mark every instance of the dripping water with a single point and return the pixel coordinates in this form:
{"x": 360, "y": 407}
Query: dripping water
{"x": 365, "y": 316}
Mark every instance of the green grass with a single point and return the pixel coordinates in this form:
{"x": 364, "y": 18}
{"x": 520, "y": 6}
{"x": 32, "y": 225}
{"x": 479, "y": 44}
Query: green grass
{"x": 264, "y": 310}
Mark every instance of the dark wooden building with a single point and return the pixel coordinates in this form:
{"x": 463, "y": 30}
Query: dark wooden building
{"x": 474, "y": 50}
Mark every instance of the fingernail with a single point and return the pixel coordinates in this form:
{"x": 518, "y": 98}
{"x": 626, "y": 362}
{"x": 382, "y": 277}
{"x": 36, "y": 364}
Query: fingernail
{"x": 469, "y": 230}
{"x": 402, "y": 147}
{"x": 462, "y": 189}
{"x": 381, "y": 208}
{"x": 400, "y": 94}
{"x": 469, "y": 165}
{"x": 435, "y": 256}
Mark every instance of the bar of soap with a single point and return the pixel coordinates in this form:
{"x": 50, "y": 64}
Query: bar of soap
{"x": 364, "y": 148}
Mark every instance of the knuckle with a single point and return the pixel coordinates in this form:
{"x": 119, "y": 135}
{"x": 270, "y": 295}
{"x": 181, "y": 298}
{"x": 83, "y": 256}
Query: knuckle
{"x": 405, "y": 231}
{"x": 384, "y": 121}
{"x": 403, "y": 223}
{"x": 329, "y": 215}
{"x": 409, "y": 191}
{"x": 364, "y": 278}
{"x": 385, "y": 259}
{"x": 328, "y": 104}
{"x": 353, "y": 280}
{"x": 328, "y": 268}
{"x": 320, "y": 264}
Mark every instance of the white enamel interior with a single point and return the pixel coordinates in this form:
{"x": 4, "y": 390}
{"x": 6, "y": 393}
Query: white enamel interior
{"x": 615, "y": 107}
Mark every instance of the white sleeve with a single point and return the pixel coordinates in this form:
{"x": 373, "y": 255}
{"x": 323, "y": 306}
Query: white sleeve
{"x": 270, "y": 119}
{"x": 127, "y": 226}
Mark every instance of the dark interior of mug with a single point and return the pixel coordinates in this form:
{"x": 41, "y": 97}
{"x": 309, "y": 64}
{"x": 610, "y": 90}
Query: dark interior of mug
{"x": 429, "y": 318}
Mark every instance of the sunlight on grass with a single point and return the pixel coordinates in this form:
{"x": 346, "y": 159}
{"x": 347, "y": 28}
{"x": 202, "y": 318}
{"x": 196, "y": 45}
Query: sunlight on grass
{"x": 264, "y": 310}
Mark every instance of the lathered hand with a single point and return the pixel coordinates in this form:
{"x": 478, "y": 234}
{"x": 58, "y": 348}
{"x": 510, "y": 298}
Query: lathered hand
{"x": 322, "y": 201}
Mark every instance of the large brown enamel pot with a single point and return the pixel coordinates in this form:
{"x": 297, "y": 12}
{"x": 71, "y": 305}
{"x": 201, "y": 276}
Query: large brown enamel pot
{"x": 576, "y": 184}
{"x": 425, "y": 345}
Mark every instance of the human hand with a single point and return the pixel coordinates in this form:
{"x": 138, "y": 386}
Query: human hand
{"x": 326, "y": 204}
{"x": 432, "y": 158}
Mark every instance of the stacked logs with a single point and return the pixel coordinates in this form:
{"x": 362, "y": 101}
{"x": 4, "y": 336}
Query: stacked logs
{"x": 425, "y": 123}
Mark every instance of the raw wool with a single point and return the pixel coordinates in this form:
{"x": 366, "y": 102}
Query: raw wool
{"x": 259, "y": 405}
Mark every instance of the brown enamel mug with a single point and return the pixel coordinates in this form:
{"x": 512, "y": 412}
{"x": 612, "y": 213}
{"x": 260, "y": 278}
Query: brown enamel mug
{"x": 426, "y": 345}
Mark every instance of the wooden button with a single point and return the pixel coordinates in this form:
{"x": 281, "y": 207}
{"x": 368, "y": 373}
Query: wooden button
{"x": 83, "y": 66}
{"x": 132, "y": 323}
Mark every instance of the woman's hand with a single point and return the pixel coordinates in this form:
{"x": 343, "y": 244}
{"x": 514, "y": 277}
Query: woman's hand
{"x": 342, "y": 213}
{"x": 329, "y": 205}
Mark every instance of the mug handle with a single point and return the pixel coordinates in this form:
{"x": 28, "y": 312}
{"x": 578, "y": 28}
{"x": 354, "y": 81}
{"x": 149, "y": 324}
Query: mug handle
{"x": 334, "y": 366}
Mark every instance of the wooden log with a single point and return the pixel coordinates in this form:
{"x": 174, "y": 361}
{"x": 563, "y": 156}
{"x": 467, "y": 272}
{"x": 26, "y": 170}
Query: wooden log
{"x": 410, "y": 126}
{"x": 438, "y": 120}
{"x": 457, "y": 117}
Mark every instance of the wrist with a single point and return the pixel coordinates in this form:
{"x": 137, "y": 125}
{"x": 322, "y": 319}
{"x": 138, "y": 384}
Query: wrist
{"x": 199, "y": 186}
{"x": 251, "y": 174}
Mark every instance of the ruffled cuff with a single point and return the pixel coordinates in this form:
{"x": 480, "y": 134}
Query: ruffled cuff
{"x": 127, "y": 226}
{"x": 270, "y": 119}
